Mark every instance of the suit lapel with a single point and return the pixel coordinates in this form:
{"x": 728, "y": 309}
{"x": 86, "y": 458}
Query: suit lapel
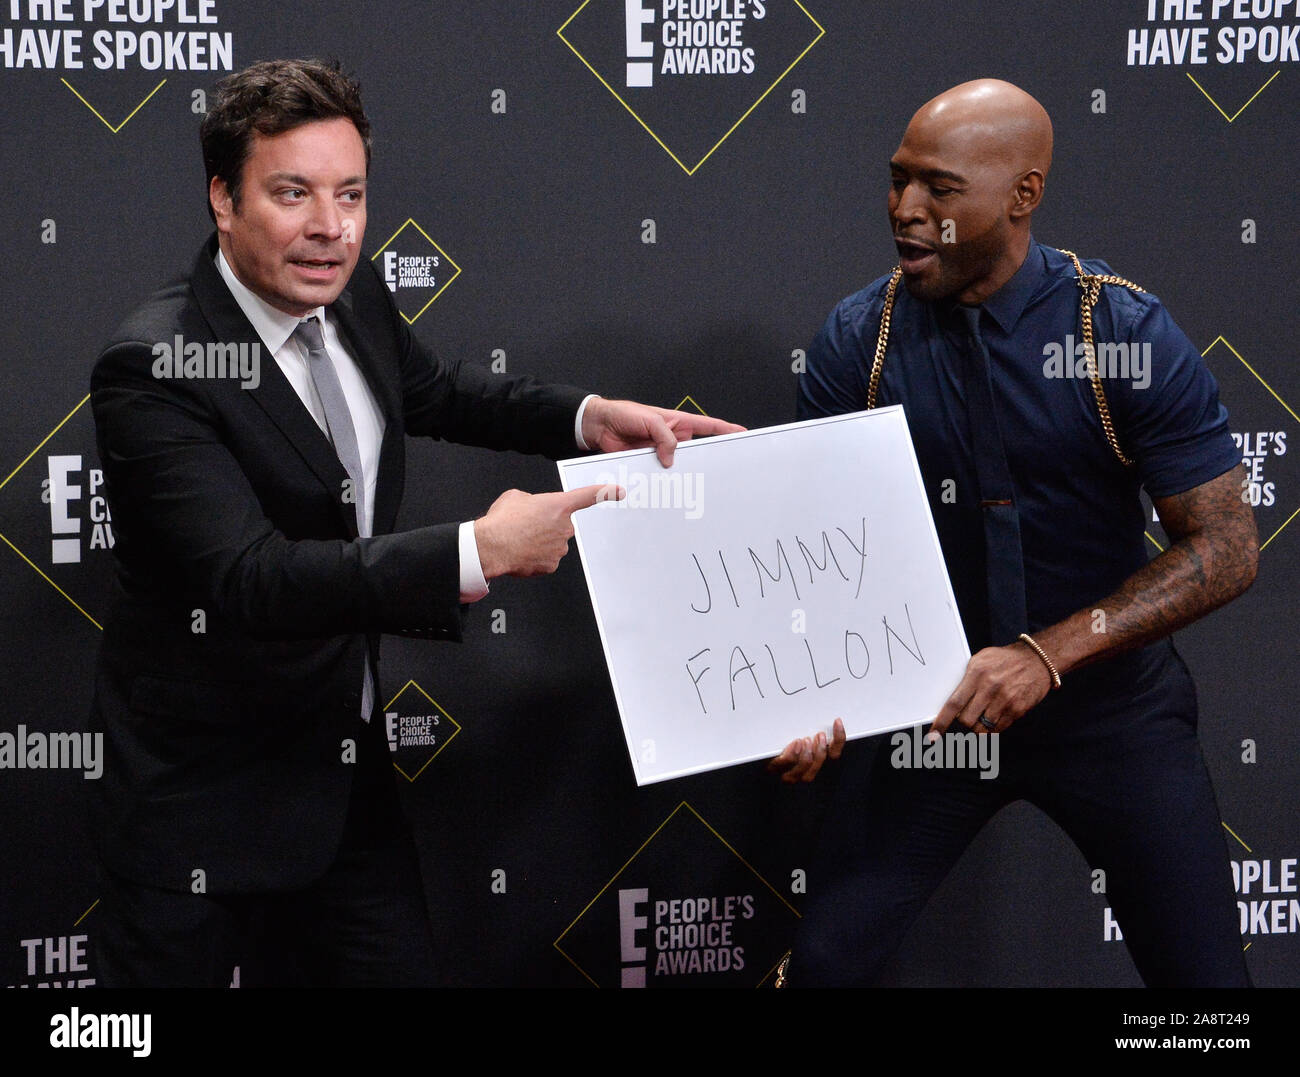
{"x": 274, "y": 395}
{"x": 386, "y": 387}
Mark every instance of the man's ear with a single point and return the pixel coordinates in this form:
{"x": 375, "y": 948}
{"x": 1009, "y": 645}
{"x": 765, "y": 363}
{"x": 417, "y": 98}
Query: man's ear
{"x": 223, "y": 207}
{"x": 1027, "y": 193}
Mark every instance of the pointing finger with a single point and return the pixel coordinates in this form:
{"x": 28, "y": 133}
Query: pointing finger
{"x": 586, "y": 496}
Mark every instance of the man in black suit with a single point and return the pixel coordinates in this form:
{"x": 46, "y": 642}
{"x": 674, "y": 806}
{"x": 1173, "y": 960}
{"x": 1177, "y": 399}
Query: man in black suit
{"x": 247, "y": 795}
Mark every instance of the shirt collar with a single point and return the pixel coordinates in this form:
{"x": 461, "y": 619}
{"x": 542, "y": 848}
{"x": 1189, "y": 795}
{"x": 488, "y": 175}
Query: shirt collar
{"x": 275, "y": 327}
{"x": 1007, "y": 304}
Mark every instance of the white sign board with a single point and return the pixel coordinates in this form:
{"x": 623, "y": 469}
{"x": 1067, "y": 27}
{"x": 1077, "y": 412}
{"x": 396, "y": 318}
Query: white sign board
{"x": 767, "y": 583}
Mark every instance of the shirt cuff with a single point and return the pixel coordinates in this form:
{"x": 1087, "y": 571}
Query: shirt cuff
{"x": 577, "y": 423}
{"x": 472, "y": 584}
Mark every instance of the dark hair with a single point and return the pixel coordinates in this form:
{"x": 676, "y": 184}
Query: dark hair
{"x": 268, "y": 99}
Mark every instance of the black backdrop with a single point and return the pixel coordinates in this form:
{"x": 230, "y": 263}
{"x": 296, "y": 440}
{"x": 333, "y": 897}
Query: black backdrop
{"x": 495, "y": 138}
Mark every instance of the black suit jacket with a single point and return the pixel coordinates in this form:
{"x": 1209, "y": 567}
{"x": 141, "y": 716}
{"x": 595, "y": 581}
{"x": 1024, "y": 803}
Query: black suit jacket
{"x": 231, "y": 666}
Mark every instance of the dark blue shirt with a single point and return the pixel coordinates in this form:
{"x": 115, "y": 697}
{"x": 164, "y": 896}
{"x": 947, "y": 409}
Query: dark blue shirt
{"x": 1081, "y": 519}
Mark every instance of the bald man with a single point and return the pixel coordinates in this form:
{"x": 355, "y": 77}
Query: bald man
{"x": 1033, "y": 473}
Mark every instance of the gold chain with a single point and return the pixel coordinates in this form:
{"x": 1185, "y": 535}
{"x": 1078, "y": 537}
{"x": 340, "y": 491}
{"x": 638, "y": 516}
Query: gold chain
{"x": 1089, "y": 292}
{"x": 882, "y": 340}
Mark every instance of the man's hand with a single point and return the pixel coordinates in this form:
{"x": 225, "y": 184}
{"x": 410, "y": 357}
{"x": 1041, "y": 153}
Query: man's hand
{"x": 527, "y": 534}
{"x": 1212, "y": 560}
{"x": 1000, "y": 685}
{"x": 804, "y": 756}
{"x": 611, "y": 425}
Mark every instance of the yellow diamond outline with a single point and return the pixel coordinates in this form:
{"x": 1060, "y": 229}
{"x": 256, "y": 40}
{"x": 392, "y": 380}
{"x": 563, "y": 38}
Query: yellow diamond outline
{"x": 1234, "y": 834}
{"x": 688, "y": 399}
{"x": 1227, "y": 827}
{"x": 87, "y": 912}
{"x": 1273, "y": 393}
{"x": 1243, "y": 107}
{"x": 1221, "y": 339}
{"x": 3, "y": 538}
{"x": 96, "y": 111}
{"x": 450, "y": 260}
{"x": 628, "y": 863}
{"x": 411, "y": 684}
{"x": 821, "y": 32}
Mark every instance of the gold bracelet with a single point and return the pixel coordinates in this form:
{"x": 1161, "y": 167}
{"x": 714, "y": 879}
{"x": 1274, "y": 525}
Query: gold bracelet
{"x": 1025, "y": 637}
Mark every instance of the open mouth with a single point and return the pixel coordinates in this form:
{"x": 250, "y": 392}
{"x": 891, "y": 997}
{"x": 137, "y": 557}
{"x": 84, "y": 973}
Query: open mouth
{"x": 316, "y": 267}
{"x": 914, "y": 256}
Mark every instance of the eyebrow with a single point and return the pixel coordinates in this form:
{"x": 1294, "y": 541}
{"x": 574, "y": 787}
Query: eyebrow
{"x": 303, "y": 181}
{"x": 930, "y": 173}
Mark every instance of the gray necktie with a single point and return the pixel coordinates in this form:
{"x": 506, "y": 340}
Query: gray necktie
{"x": 338, "y": 420}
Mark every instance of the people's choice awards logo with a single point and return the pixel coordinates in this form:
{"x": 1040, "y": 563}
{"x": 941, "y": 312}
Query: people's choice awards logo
{"x": 1265, "y": 429}
{"x": 690, "y": 71}
{"x": 417, "y": 730}
{"x": 55, "y": 516}
{"x": 686, "y": 910}
{"x": 415, "y": 269}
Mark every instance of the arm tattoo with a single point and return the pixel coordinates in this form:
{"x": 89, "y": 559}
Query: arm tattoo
{"x": 1211, "y": 561}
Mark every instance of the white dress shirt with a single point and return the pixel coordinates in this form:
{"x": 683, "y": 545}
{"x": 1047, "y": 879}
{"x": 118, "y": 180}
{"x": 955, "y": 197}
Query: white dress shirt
{"x": 276, "y": 329}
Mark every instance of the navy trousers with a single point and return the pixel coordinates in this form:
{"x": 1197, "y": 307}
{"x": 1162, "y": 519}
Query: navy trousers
{"x": 1114, "y": 760}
